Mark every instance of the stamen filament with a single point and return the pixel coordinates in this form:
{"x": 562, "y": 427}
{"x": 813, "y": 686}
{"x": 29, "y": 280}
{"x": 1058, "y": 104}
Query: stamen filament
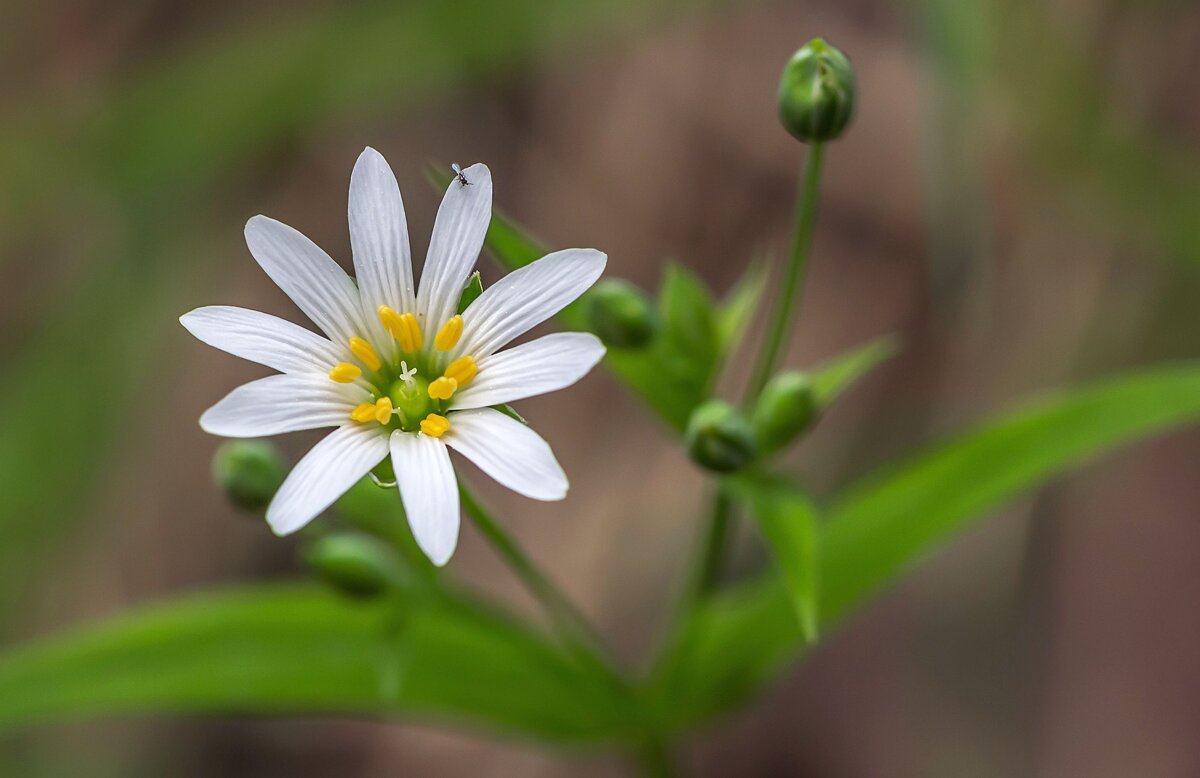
{"x": 448, "y": 336}
{"x": 462, "y": 370}
{"x": 365, "y": 353}
{"x": 434, "y": 425}
{"x": 345, "y": 373}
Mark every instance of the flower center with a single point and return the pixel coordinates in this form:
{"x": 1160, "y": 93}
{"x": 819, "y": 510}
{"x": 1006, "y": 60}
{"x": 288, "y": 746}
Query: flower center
{"x": 412, "y": 392}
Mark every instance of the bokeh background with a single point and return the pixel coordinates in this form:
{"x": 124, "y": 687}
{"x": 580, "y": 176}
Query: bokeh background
{"x": 1018, "y": 199}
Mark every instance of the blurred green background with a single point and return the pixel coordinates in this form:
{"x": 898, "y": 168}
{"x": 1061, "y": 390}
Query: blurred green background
{"x": 1019, "y": 198}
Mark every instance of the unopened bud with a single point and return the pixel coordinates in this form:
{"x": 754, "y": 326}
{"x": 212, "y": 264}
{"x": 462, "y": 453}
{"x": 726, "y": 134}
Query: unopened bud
{"x": 719, "y": 438}
{"x": 816, "y": 93}
{"x": 619, "y": 313}
{"x": 357, "y": 564}
{"x": 786, "y": 408}
{"x": 249, "y": 472}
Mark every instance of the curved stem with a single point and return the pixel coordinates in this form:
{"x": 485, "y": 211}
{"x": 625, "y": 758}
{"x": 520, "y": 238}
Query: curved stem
{"x": 785, "y": 308}
{"x": 711, "y": 555}
{"x": 571, "y": 625}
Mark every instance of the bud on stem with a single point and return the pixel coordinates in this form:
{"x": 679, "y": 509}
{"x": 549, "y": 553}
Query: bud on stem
{"x": 719, "y": 438}
{"x": 619, "y": 313}
{"x": 786, "y": 408}
{"x": 249, "y": 472}
{"x": 816, "y": 93}
{"x": 357, "y": 564}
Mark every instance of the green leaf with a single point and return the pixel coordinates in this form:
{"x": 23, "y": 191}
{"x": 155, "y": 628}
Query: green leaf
{"x": 884, "y": 526}
{"x": 788, "y": 522}
{"x": 831, "y": 379}
{"x": 471, "y": 291}
{"x": 689, "y": 324}
{"x": 297, "y": 649}
{"x": 737, "y": 310}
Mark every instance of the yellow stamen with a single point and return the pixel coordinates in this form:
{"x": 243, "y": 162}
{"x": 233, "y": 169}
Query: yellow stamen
{"x": 450, "y": 333}
{"x": 435, "y": 426}
{"x": 383, "y": 410}
{"x": 443, "y": 388}
{"x": 345, "y": 373}
{"x": 403, "y": 327}
{"x": 364, "y": 412}
{"x": 365, "y": 353}
{"x": 462, "y": 370}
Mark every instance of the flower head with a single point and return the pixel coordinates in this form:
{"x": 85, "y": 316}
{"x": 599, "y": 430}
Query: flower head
{"x": 400, "y": 373}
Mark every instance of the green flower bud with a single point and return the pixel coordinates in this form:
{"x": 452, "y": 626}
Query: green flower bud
{"x": 619, "y": 313}
{"x": 357, "y": 564}
{"x": 249, "y": 472}
{"x": 786, "y": 408}
{"x": 816, "y": 93}
{"x": 719, "y": 438}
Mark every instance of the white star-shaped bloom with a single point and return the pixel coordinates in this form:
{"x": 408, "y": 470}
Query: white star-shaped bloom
{"x": 358, "y": 379}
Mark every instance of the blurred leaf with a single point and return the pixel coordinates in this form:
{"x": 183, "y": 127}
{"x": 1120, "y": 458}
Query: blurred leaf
{"x": 788, "y": 522}
{"x": 688, "y": 313}
{"x": 737, "y": 310}
{"x": 832, "y": 378}
{"x": 296, "y": 649}
{"x": 882, "y": 527}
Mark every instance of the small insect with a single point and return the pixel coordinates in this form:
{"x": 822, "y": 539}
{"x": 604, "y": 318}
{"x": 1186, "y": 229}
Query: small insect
{"x": 462, "y": 179}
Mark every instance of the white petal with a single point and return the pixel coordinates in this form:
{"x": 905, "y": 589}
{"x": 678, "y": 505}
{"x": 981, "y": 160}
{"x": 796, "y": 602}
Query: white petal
{"x": 325, "y": 473}
{"x": 316, "y": 283}
{"x": 282, "y": 403}
{"x": 262, "y": 338}
{"x": 544, "y": 365}
{"x": 429, "y": 492}
{"x": 379, "y": 239}
{"x": 527, "y": 297}
{"x": 508, "y": 451}
{"x": 454, "y": 246}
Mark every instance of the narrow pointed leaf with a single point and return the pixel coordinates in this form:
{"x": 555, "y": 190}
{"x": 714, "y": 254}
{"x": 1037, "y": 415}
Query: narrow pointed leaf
{"x": 299, "y": 649}
{"x": 788, "y": 522}
{"x": 831, "y": 379}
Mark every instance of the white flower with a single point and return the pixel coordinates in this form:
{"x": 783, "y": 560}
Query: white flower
{"x": 401, "y": 373}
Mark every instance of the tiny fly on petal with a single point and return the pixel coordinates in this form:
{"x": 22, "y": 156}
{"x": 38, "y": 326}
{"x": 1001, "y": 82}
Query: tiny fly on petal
{"x": 462, "y": 179}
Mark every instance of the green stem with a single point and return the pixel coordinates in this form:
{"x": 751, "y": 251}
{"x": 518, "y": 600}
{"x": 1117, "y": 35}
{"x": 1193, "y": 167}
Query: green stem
{"x": 571, "y": 625}
{"x": 780, "y": 326}
{"x": 712, "y": 552}
{"x": 711, "y": 555}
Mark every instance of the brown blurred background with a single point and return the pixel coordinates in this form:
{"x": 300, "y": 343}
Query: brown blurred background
{"x": 1019, "y": 199}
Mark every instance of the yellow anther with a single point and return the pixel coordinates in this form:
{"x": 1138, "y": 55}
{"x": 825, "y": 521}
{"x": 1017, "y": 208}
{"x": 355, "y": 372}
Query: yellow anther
{"x": 365, "y": 353}
{"x": 383, "y": 410}
{"x": 443, "y": 388}
{"x": 364, "y": 412}
{"x": 435, "y": 426}
{"x": 403, "y": 327}
{"x": 462, "y": 370}
{"x": 448, "y": 336}
{"x": 345, "y": 373}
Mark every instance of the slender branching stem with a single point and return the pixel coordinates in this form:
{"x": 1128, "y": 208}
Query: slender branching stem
{"x": 571, "y": 625}
{"x": 780, "y": 326}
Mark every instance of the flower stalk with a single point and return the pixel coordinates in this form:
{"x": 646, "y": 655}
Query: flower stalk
{"x": 570, "y": 624}
{"x": 780, "y": 326}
